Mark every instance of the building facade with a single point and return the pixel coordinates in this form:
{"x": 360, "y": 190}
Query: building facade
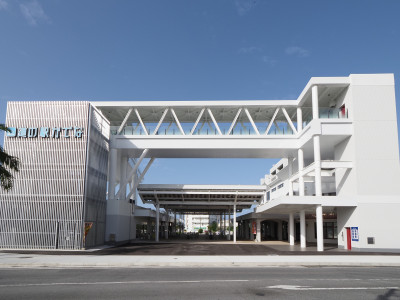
{"x": 336, "y": 181}
{"x": 59, "y": 196}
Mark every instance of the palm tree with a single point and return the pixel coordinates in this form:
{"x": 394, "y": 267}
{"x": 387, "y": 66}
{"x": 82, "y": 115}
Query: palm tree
{"x": 8, "y": 163}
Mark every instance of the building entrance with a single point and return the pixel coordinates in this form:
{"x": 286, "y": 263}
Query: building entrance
{"x": 269, "y": 231}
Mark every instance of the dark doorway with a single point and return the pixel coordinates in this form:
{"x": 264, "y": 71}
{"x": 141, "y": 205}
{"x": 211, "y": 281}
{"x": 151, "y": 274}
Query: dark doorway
{"x": 297, "y": 232}
{"x": 269, "y": 231}
{"x": 285, "y": 228}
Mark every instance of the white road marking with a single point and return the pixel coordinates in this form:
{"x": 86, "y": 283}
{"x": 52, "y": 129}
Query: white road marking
{"x": 119, "y": 282}
{"x": 307, "y": 288}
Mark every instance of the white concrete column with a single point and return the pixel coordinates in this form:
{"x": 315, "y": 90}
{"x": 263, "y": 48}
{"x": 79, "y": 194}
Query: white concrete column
{"x": 157, "y": 222}
{"x": 234, "y": 223}
{"x": 299, "y": 119}
{"x": 123, "y": 167}
{"x": 300, "y": 158}
{"x": 315, "y": 109}
{"x": 174, "y": 222}
{"x": 228, "y": 236}
{"x": 303, "y": 228}
{"x": 317, "y": 163}
{"x": 112, "y": 180}
{"x": 320, "y": 228}
{"x": 290, "y": 165}
{"x": 291, "y": 229}
{"x": 224, "y": 223}
{"x": 258, "y": 236}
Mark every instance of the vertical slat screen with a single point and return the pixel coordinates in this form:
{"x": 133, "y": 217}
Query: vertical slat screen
{"x": 45, "y": 208}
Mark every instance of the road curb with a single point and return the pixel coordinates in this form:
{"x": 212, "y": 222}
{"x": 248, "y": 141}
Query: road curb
{"x": 80, "y": 261}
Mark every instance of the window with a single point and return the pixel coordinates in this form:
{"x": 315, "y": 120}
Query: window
{"x": 280, "y": 186}
{"x": 268, "y": 196}
{"x": 274, "y": 189}
{"x": 330, "y": 230}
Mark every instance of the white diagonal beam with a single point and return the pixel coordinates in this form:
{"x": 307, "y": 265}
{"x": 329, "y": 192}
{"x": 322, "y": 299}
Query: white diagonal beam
{"x": 197, "y": 121}
{"x": 289, "y": 120}
{"x": 215, "y": 122}
{"x": 234, "y": 121}
{"x": 160, "y": 122}
{"x": 124, "y": 121}
{"x": 251, "y": 121}
{"x": 132, "y": 172}
{"x": 146, "y": 169}
{"x": 177, "y": 121}
{"x": 136, "y": 183}
{"x": 272, "y": 121}
{"x": 141, "y": 122}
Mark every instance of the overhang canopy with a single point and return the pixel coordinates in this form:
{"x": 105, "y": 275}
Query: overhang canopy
{"x": 202, "y": 199}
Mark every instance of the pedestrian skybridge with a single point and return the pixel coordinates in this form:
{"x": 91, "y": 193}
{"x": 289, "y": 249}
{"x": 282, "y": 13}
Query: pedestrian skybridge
{"x": 231, "y": 129}
{"x": 263, "y": 118}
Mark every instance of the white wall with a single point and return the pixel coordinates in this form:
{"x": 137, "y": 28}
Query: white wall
{"x": 376, "y": 150}
{"x": 378, "y": 220}
{"x": 118, "y": 220}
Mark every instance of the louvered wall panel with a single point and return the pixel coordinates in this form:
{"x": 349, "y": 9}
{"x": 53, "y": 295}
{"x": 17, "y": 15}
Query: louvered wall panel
{"x": 96, "y": 180}
{"x": 46, "y": 209}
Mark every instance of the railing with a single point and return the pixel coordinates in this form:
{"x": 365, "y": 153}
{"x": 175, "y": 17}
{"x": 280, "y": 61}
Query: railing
{"x": 278, "y": 127}
{"x": 274, "y": 130}
{"x": 326, "y": 113}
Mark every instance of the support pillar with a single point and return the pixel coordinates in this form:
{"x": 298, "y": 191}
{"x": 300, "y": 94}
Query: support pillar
{"x": 291, "y": 229}
{"x": 234, "y": 223}
{"x": 258, "y": 236}
{"x": 220, "y": 224}
{"x": 290, "y": 163}
{"x": 314, "y": 95}
{"x": 175, "y": 223}
{"x": 157, "y": 222}
{"x": 299, "y": 120}
{"x": 317, "y": 163}
{"x": 300, "y": 158}
{"x": 122, "y": 187}
{"x": 303, "y": 228}
{"x": 228, "y": 236}
{"x": 320, "y": 228}
{"x": 112, "y": 181}
{"x": 224, "y": 223}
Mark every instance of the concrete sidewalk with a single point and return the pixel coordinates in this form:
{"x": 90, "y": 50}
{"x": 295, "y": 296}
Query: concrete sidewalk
{"x": 11, "y": 260}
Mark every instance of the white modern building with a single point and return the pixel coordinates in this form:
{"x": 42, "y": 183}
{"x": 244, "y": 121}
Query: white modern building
{"x": 193, "y": 223}
{"x": 336, "y": 181}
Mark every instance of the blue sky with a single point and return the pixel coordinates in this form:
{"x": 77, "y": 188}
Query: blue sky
{"x": 190, "y": 50}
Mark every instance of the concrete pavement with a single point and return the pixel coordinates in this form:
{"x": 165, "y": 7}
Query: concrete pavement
{"x": 12, "y": 260}
{"x": 195, "y": 254}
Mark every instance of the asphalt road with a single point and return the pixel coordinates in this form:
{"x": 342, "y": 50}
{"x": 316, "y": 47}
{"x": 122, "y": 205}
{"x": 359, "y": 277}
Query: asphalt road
{"x": 203, "y": 283}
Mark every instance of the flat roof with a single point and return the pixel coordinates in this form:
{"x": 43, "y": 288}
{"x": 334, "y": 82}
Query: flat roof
{"x": 201, "y": 199}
